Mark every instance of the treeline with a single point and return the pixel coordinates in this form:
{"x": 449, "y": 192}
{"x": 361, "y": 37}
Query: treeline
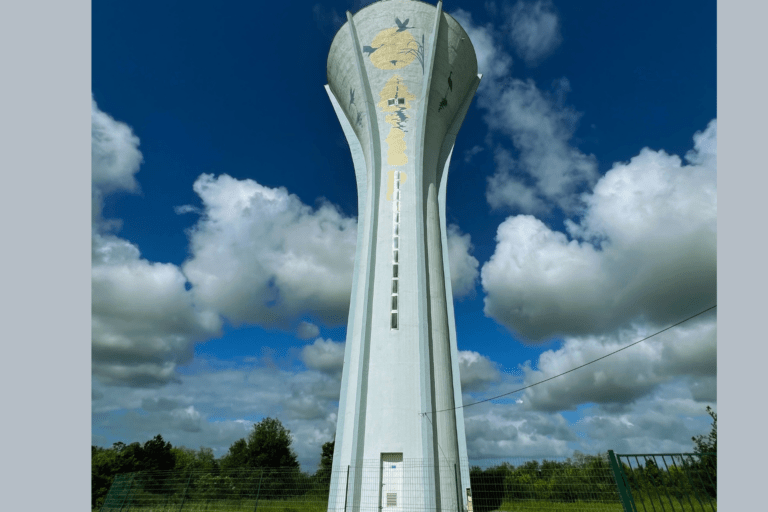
{"x": 590, "y": 478}
{"x": 267, "y": 448}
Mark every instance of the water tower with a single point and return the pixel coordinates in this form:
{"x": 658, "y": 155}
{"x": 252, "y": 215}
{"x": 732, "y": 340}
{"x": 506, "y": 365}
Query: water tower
{"x": 401, "y": 76}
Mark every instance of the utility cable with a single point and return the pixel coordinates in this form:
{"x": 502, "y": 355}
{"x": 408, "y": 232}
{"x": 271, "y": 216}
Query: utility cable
{"x": 583, "y": 365}
{"x": 433, "y": 426}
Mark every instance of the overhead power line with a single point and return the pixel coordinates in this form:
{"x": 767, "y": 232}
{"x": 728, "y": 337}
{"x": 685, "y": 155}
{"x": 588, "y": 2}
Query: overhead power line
{"x": 583, "y": 365}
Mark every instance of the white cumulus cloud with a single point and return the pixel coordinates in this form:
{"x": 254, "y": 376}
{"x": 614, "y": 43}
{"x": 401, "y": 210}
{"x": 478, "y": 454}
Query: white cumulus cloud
{"x": 492, "y": 61}
{"x": 115, "y": 154}
{"x": 259, "y": 255}
{"x": 144, "y": 321}
{"x": 324, "y": 355}
{"x": 463, "y": 265}
{"x": 477, "y": 371}
{"x": 687, "y": 352}
{"x": 307, "y": 330}
{"x": 505, "y": 190}
{"x": 540, "y": 128}
{"x": 645, "y": 249}
{"x": 534, "y": 29}
{"x": 548, "y": 169}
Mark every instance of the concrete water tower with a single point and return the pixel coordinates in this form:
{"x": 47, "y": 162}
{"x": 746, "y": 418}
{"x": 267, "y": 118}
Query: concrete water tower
{"x": 401, "y": 76}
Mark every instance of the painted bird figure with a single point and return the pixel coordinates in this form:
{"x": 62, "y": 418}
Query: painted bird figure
{"x": 450, "y": 82}
{"x": 351, "y": 96}
{"x": 401, "y": 25}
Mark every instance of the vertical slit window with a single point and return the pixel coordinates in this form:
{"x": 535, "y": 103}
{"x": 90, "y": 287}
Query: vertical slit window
{"x": 395, "y": 246}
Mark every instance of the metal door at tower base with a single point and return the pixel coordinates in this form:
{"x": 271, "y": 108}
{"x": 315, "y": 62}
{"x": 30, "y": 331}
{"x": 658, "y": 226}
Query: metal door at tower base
{"x": 392, "y": 481}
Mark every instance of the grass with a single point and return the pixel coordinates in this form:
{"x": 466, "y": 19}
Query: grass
{"x": 320, "y": 504}
{"x": 299, "y": 505}
{"x": 646, "y": 505}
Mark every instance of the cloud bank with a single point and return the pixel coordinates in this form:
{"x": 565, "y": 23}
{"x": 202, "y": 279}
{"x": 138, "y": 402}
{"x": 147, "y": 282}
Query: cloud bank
{"x": 645, "y": 249}
{"x": 144, "y": 321}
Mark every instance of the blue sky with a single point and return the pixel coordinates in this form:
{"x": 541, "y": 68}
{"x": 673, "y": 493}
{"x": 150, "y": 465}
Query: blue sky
{"x": 582, "y": 190}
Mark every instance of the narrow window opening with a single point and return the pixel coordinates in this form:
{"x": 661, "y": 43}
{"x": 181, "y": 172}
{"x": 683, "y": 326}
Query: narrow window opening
{"x": 394, "y": 320}
{"x": 394, "y": 256}
{"x": 394, "y": 270}
{"x": 394, "y": 286}
{"x": 391, "y": 102}
{"x": 401, "y": 101}
{"x": 397, "y": 229}
{"x": 396, "y": 244}
{"x": 394, "y": 303}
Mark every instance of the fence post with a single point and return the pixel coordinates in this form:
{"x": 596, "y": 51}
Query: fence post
{"x": 258, "y": 490}
{"x": 127, "y": 493}
{"x": 621, "y": 484}
{"x": 346, "y": 493}
{"x": 184, "y": 495}
{"x": 459, "y": 505}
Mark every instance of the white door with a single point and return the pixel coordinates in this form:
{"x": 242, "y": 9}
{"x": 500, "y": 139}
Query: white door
{"x": 392, "y": 482}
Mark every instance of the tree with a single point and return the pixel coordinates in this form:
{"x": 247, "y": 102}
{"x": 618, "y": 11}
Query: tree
{"x": 323, "y": 475}
{"x": 237, "y": 456}
{"x": 155, "y": 454}
{"x": 102, "y": 473}
{"x": 200, "y": 460}
{"x": 707, "y": 444}
{"x": 326, "y": 456}
{"x": 705, "y": 468}
{"x": 269, "y": 446}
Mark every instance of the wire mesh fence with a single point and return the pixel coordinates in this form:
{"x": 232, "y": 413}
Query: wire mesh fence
{"x": 553, "y": 484}
{"x": 590, "y": 483}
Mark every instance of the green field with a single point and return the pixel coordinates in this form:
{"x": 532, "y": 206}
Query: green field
{"x": 302, "y": 505}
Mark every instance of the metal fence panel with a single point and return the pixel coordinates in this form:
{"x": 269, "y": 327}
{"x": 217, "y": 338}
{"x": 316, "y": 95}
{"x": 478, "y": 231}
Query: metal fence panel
{"x": 523, "y": 484}
{"x": 671, "y": 482}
